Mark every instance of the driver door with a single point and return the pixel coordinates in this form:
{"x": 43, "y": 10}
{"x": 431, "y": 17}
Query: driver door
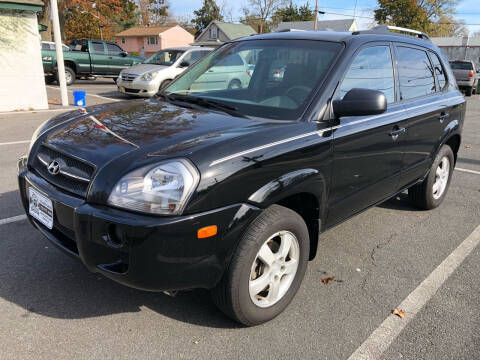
{"x": 368, "y": 150}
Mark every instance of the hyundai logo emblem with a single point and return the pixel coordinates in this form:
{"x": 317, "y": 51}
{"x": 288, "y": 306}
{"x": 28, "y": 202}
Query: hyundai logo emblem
{"x": 54, "y": 167}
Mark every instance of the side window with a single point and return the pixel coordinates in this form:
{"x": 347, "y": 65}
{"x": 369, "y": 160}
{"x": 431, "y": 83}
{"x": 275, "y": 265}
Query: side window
{"x": 371, "y": 69}
{"x": 439, "y": 71}
{"x": 232, "y": 60}
{"x": 192, "y": 56}
{"x": 114, "y": 49}
{"x": 97, "y": 47}
{"x": 415, "y": 72}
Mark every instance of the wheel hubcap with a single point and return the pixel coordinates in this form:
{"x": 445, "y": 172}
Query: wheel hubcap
{"x": 68, "y": 77}
{"x": 274, "y": 269}
{"x": 441, "y": 178}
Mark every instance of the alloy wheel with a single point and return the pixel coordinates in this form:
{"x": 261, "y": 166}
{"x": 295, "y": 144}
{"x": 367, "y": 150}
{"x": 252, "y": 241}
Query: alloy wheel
{"x": 441, "y": 178}
{"x": 274, "y": 269}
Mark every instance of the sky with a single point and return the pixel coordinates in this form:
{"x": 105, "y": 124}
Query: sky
{"x": 467, "y": 10}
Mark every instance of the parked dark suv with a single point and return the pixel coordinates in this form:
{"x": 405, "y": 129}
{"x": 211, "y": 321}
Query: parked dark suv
{"x": 228, "y": 189}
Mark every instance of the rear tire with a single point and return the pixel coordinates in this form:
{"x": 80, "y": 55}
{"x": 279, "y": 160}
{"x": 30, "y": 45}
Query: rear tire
{"x": 69, "y": 76}
{"x": 50, "y": 79}
{"x": 430, "y": 193}
{"x": 234, "y": 84}
{"x": 283, "y": 235}
{"x": 469, "y": 91}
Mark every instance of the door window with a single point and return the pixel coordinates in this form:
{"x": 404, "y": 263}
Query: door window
{"x": 371, "y": 69}
{"x": 439, "y": 71}
{"x": 193, "y": 56}
{"x": 98, "y": 48}
{"x": 416, "y": 73}
{"x": 114, "y": 49}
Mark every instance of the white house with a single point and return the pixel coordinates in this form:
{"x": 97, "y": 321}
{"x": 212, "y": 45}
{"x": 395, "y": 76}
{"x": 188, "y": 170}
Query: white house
{"x": 22, "y": 85}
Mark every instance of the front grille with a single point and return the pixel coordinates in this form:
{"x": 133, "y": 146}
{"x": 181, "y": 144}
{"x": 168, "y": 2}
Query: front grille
{"x": 128, "y": 77}
{"x": 74, "y": 175}
{"x": 133, "y": 91}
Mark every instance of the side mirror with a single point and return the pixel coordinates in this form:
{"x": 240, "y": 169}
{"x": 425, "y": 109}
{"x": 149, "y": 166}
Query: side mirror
{"x": 184, "y": 64}
{"x": 123, "y": 54}
{"x": 359, "y": 102}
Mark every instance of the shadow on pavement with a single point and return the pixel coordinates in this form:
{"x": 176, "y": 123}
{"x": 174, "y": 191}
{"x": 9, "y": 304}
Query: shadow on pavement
{"x": 38, "y": 277}
{"x": 398, "y": 202}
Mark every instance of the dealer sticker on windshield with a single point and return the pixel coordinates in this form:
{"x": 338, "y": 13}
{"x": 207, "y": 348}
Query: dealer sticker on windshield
{"x": 41, "y": 207}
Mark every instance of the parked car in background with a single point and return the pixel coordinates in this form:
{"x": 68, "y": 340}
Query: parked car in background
{"x": 466, "y": 75}
{"x": 50, "y": 45}
{"x": 156, "y": 72}
{"x": 88, "y": 58}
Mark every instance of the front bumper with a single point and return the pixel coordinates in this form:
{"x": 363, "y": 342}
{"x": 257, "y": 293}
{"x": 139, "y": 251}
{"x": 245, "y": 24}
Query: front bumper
{"x": 141, "y": 251}
{"x": 137, "y": 87}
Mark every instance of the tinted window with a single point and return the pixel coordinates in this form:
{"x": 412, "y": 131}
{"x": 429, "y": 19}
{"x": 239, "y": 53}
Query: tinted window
{"x": 461, "y": 65}
{"x": 114, "y": 49}
{"x": 98, "y": 47}
{"x": 441, "y": 78}
{"x": 371, "y": 69}
{"x": 416, "y": 73}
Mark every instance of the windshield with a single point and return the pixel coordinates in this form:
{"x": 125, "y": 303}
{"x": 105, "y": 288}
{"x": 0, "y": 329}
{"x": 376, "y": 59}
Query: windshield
{"x": 264, "y": 78}
{"x": 164, "y": 57}
{"x": 461, "y": 65}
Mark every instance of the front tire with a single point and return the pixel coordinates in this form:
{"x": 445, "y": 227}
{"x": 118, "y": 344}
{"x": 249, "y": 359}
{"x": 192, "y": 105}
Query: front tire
{"x": 234, "y": 84}
{"x": 267, "y": 267}
{"x": 430, "y": 193}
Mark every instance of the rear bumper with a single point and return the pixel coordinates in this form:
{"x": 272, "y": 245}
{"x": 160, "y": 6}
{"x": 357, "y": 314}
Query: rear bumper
{"x": 145, "y": 252}
{"x": 465, "y": 83}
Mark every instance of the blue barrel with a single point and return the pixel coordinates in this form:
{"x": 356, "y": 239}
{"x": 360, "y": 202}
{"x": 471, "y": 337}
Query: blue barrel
{"x": 79, "y": 97}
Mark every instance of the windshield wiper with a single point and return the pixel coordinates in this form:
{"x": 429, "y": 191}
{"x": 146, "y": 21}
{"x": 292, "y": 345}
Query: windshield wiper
{"x": 229, "y": 109}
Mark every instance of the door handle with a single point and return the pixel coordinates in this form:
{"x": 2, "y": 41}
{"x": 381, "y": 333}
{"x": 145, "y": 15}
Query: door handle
{"x": 443, "y": 116}
{"x": 396, "y": 132}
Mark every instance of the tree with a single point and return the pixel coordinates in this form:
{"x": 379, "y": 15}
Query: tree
{"x": 262, "y": 11}
{"x": 447, "y": 26}
{"x": 84, "y": 19}
{"x": 423, "y": 15}
{"x": 209, "y": 12}
{"x": 293, "y": 13}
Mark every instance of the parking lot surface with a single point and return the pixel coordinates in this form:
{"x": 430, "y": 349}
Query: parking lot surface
{"x": 52, "y": 307}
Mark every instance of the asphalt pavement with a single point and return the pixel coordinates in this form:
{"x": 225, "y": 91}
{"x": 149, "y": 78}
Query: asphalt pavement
{"x": 51, "y": 307}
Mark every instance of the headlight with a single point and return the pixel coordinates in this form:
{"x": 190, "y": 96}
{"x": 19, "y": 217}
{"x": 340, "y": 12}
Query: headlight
{"x": 160, "y": 189}
{"x": 149, "y": 76}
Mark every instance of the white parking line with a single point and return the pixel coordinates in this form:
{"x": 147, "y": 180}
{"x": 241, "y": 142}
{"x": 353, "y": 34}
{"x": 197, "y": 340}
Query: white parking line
{"x": 12, "y": 219}
{"x": 379, "y": 341}
{"x": 98, "y": 96}
{"x": 23, "y": 112}
{"x": 468, "y": 171}
{"x": 15, "y": 142}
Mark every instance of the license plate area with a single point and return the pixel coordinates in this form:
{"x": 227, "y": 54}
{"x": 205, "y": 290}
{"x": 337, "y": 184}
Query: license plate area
{"x": 40, "y": 207}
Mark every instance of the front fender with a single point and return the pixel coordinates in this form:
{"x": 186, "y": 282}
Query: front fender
{"x": 309, "y": 181}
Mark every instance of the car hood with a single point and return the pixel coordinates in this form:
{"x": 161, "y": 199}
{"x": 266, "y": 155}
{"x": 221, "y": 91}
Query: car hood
{"x": 141, "y": 69}
{"x": 149, "y": 128}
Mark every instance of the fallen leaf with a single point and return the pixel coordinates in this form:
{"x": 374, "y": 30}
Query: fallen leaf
{"x": 467, "y": 146}
{"x": 399, "y": 313}
{"x": 53, "y": 101}
{"x": 325, "y": 280}
{"x": 195, "y": 342}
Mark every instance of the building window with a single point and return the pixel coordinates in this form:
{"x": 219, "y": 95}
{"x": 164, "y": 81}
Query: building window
{"x": 213, "y": 32}
{"x": 123, "y": 40}
{"x": 152, "y": 40}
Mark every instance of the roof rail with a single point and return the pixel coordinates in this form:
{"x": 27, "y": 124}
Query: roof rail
{"x": 389, "y": 28}
{"x": 288, "y": 30}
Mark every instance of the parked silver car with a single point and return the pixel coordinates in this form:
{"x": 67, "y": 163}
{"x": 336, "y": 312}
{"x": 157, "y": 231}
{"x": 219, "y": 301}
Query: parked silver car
{"x": 156, "y": 72}
{"x": 466, "y": 75}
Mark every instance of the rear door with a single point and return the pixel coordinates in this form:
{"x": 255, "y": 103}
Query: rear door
{"x": 423, "y": 95}
{"x": 368, "y": 150}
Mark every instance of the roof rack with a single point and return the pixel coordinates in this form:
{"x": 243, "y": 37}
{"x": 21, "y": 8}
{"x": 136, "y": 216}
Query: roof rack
{"x": 288, "y": 30}
{"x": 389, "y": 28}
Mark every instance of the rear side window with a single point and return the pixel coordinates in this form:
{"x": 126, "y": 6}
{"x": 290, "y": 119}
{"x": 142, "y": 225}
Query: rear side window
{"x": 371, "y": 69}
{"x": 439, "y": 71}
{"x": 98, "y": 47}
{"x": 461, "y": 65}
{"x": 415, "y": 72}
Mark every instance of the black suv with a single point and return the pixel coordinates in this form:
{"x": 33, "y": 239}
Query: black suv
{"x": 228, "y": 187}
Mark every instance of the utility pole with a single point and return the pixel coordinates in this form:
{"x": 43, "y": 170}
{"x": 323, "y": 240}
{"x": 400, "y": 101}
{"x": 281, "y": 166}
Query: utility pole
{"x": 315, "y": 23}
{"x": 59, "y": 50}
